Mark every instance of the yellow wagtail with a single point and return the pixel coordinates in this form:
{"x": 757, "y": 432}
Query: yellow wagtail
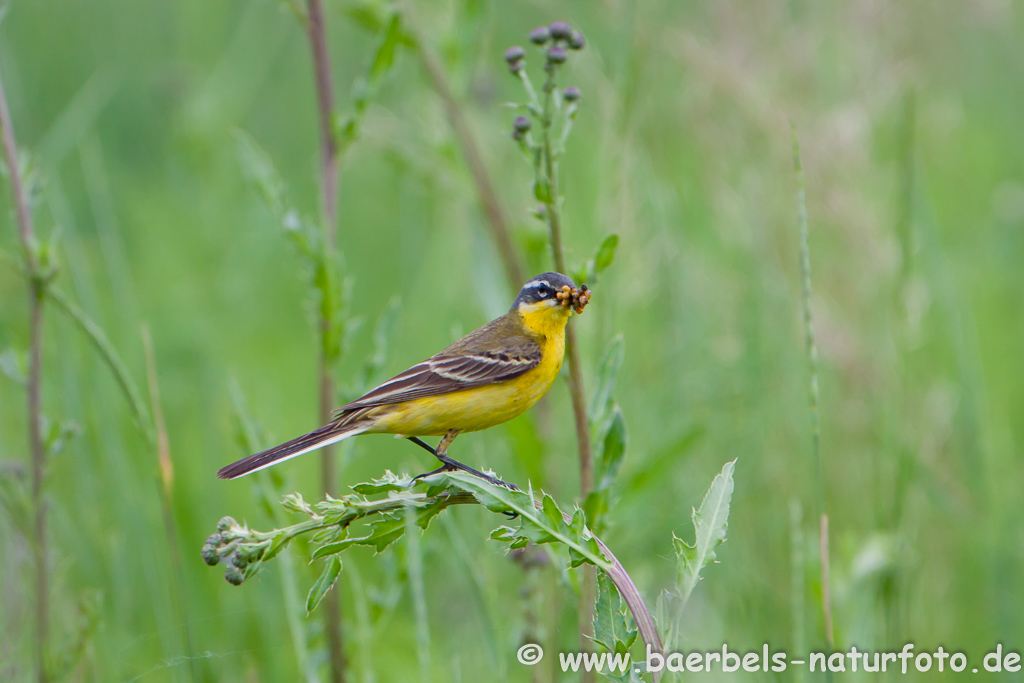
{"x": 486, "y": 378}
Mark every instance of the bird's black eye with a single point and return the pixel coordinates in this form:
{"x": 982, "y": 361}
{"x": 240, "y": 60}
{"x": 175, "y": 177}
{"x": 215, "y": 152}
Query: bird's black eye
{"x": 543, "y": 292}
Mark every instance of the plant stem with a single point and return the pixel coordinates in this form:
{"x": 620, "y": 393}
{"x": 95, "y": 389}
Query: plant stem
{"x": 36, "y": 292}
{"x": 471, "y": 152}
{"x": 576, "y": 391}
{"x": 815, "y": 410}
{"x": 325, "y": 108}
{"x": 552, "y": 212}
{"x": 329, "y": 200}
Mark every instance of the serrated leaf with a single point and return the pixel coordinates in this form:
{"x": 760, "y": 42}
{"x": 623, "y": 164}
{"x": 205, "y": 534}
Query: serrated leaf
{"x": 337, "y": 547}
{"x": 611, "y": 624}
{"x": 323, "y": 584}
{"x": 389, "y": 482}
{"x": 546, "y": 525}
{"x": 296, "y": 503}
{"x": 710, "y": 523}
{"x": 552, "y": 512}
{"x": 276, "y": 546}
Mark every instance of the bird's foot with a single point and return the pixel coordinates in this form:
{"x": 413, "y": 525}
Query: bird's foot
{"x": 450, "y": 465}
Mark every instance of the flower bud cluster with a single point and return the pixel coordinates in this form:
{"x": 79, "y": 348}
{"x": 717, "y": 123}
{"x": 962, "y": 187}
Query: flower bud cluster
{"x": 236, "y": 547}
{"x": 556, "y": 40}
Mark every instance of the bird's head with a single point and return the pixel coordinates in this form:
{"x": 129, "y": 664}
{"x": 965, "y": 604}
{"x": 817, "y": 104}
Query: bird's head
{"x": 549, "y": 298}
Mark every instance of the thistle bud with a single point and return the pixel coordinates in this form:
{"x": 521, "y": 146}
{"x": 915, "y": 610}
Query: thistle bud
{"x": 540, "y": 35}
{"x": 560, "y": 30}
{"x": 556, "y": 55}
{"x": 514, "y": 54}
{"x": 576, "y": 41}
{"x": 521, "y": 124}
{"x": 210, "y": 555}
{"x": 225, "y": 523}
{"x": 571, "y": 94}
{"x": 234, "y": 575}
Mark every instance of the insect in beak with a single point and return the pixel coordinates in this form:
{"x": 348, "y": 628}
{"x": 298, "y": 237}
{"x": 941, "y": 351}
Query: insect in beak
{"x": 576, "y": 299}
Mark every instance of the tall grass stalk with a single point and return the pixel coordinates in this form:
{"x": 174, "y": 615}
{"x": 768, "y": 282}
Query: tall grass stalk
{"x": 329, "y": 200}
{"x": 815, "y": 411}
{"x": 36, "y": 289}
{"x": 163, "y": 452}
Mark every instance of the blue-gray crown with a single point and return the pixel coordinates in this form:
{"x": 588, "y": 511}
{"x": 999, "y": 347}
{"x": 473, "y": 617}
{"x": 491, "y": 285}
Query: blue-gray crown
{"x": 542, "y": 287}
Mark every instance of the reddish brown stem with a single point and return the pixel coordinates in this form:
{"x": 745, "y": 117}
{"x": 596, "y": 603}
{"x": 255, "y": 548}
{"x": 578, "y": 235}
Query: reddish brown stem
{"x": 329, "y": 200}
{"x": 35, "y": 430}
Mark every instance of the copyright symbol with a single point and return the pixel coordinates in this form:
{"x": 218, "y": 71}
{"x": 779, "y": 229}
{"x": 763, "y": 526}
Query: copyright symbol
{"x": 530, "y": 654}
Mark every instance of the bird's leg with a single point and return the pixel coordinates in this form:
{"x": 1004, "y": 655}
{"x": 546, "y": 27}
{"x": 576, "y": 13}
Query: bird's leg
{"x": 450, "y": 464}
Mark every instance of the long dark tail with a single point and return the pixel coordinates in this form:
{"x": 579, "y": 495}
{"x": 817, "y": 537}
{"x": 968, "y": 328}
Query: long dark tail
{"x": 319, "y": 438}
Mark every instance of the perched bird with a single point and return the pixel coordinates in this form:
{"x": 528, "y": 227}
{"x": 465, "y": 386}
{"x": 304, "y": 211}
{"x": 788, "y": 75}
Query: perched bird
{"x": 486, "y": 378}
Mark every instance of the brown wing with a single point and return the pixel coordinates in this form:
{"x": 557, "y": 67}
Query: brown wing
{"x": 448, "y": 372}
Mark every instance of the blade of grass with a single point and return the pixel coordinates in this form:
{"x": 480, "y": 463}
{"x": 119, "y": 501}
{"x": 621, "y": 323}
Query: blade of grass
{"x": 815, "y": 411}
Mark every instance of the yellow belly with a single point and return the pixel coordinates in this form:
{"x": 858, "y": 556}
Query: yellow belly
{"x": 473, "y": 409}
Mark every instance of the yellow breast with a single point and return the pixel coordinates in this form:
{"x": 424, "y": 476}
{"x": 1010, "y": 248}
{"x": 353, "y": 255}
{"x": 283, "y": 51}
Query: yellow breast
{"x": 482, "y": 407}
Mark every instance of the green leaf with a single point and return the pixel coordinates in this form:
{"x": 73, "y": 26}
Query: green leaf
{"x": 58, "y": 434}
{"x": 384, "y": 58}
{"x": 296, "y": 503}
{"x": 607, "y": 372}
{"x": 389, "y": 482}
{"x": 612, "y": 625}
{"x": 14, "y": 365}
{"x": 276, "y": 546}
{"x": 552, "y": 512}
{"x": 548, "y": 525}
{"x": 600, "y": 262}
{"x": 385, "y": 530}
{"x": 605, "y": 253}
{"x": 323, "y": 584}
{"x": 611, "y": 448}
{"x": 260, "y": 170}
{"x": 710, "y": 523}
{"x": 542, "y": 191}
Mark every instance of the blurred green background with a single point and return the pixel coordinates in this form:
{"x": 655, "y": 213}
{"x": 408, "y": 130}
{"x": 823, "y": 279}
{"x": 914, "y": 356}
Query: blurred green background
{"x": 909, "y": 115}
